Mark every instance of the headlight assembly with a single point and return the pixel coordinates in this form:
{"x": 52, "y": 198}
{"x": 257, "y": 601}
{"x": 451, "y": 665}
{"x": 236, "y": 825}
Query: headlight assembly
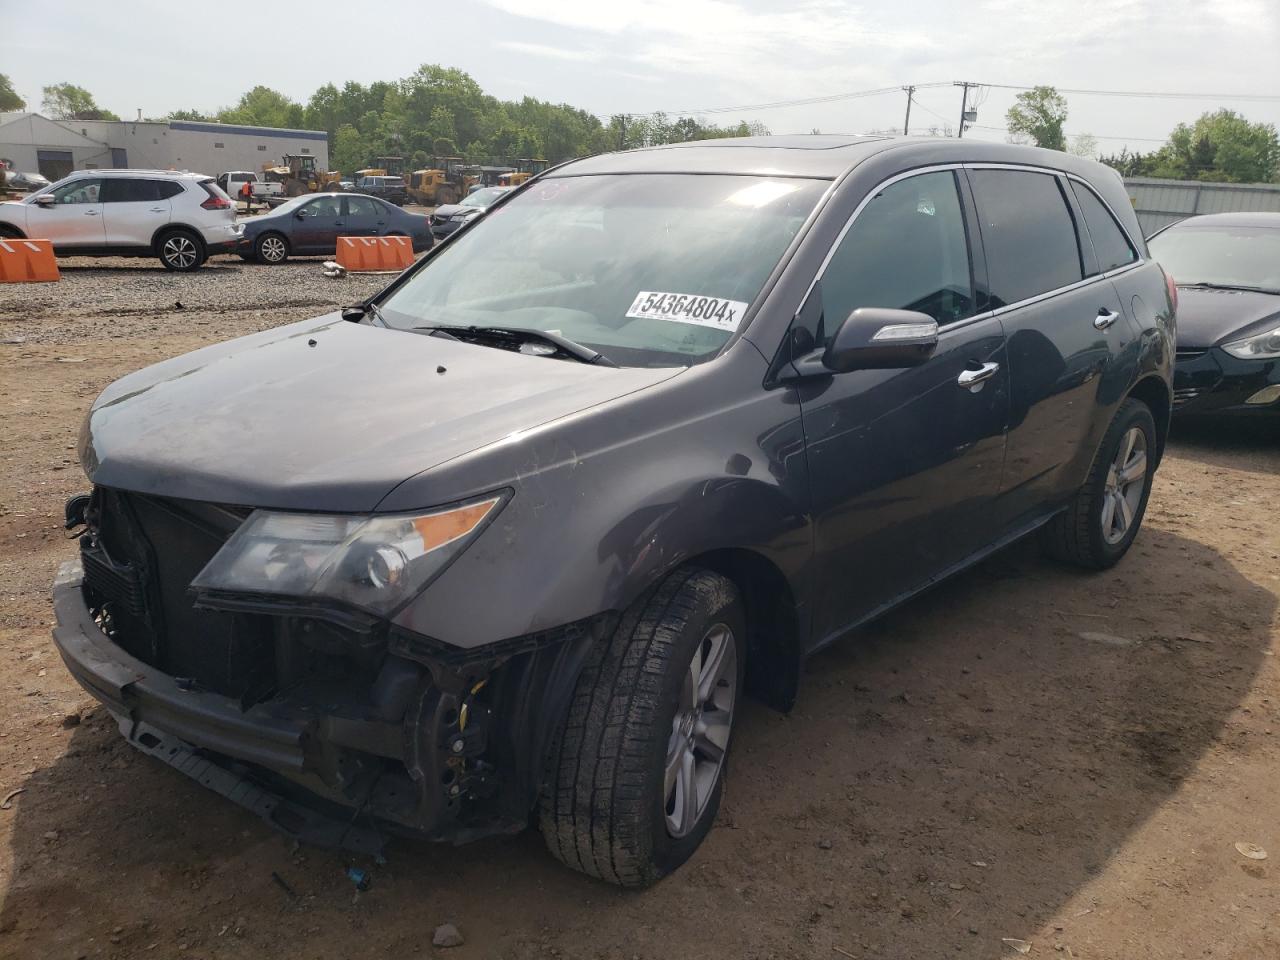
{"x": 377, "y": 563}
{"x": 1262, "y": 346}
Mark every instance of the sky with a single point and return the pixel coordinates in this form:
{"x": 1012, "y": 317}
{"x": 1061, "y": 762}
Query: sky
{"x": 683, "y": 56}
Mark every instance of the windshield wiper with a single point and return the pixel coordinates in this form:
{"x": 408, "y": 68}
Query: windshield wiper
{"x": 1230, "y": 286}
{"x": 564, "y": 344}
{"x": 359, "y": 311}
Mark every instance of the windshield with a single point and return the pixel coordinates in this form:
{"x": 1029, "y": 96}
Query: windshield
{"x": 648, "y": 269}
{"x": 1225, "y": 255}
{"x": 290, "y": 205}
{"x": 483, "y": 197}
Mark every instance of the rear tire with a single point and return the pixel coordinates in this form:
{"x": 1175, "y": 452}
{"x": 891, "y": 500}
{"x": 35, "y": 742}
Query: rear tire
{"x": 271, "y": 249}
{"x": 180, "y": 251}
{"x": 637, "y": 770}
{"x": 1099, "y": 526}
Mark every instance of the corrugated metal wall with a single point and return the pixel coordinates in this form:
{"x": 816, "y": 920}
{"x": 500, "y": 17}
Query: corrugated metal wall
{"x": 1159, "y": 203}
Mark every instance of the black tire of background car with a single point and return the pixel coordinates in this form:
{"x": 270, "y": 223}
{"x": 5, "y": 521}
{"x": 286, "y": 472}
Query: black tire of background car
{"x": 602, "y": 809}
{"x": 1075, "y": 535}
{"x": 257, "y": 248}
{"x": 199, "y": 260}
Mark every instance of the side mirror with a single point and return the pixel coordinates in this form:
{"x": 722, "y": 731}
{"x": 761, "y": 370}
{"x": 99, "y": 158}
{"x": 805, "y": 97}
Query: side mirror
{"x": 873, "y": 338}
{"x": 45, "y": 200}
{"x": 301, "y": 214}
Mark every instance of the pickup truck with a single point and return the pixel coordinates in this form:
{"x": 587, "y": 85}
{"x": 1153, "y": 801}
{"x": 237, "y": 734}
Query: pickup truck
{"x": 232, "y": 182}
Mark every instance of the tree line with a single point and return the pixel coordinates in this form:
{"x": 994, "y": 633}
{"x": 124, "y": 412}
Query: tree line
{"x": 1220, "y": 145}
{"x": 442, "y": 111}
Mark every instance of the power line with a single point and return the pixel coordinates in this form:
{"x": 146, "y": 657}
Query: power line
{"x": 803, "y": 102}
{"x": 1149, "y": 94}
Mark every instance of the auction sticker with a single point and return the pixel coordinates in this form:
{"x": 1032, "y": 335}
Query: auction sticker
{"x": 688, "y": 308}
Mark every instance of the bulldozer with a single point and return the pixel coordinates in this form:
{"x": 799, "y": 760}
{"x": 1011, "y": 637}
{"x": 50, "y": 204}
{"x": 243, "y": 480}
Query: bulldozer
{"x": 298, "y": 174}
{"x": 447, "y": 182}
{"x": 525, "y": 169}
{"x": 387, "y": 167}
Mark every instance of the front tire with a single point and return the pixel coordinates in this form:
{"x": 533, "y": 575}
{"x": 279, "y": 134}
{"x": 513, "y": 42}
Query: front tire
{"x": 1099, "y": 526}
{"x": 637, "y": 770}
{"x": 180, "y": 251}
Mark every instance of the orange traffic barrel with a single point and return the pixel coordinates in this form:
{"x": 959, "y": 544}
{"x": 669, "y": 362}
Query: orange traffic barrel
{"x": 27, "y": 261}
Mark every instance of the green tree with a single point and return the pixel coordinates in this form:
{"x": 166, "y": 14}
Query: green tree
{"x": 1084, "y": 145}
{"x": 1221, "y": 145}
{"x": 263, "y": 107}
{"x": 1039, "y": 114}
{"x": 348, "y": 150}
{"x": 1130, "y": 164}
{"x": 66, "y": 101}
{"x": 9, "y": 99}
{"x": 194, "y": 115}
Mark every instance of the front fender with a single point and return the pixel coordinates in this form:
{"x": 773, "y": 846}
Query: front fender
{"x": 597, "y": 516}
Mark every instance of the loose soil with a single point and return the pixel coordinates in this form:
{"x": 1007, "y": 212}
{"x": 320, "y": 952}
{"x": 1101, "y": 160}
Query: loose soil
{"x": 1027, "y": 752}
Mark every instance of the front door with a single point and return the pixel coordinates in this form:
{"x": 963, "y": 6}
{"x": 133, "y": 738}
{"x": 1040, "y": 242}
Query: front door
{"x": 73, "y": 220}
{"x": 904, "y": 464}
{"x": 364, "y": 217}
{"x": 1067, "y": 330}
{"x": 317, "y": 226}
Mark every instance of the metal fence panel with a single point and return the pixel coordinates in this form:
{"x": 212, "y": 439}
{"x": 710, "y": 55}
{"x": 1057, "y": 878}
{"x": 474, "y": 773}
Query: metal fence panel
{"x": 1159, "y": 203}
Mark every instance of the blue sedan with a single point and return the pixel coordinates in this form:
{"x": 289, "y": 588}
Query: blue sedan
{"x": 311, "y": 224}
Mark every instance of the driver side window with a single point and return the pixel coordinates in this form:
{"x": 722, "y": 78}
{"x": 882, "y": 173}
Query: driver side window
{"x": 906, "y": 250}
{"x": 77, "y": 191}
{"x": 324, "y": 207}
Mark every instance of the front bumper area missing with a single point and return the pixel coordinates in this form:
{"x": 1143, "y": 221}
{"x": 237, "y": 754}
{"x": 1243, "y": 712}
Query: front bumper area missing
{"x": 333, "y": 777}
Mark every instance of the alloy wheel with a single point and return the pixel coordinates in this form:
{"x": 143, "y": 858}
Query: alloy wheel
{"x": 179, "y": 251}
{"x": 273, "y": 249}
{"x": 700, "y": 729}
{"x": 1125, "y": 483}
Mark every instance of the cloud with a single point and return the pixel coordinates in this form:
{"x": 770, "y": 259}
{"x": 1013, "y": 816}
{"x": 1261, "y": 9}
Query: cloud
{"x": 543, "y": 50}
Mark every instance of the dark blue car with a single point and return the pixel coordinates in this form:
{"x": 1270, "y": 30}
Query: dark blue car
{"x": 310, "y": 225}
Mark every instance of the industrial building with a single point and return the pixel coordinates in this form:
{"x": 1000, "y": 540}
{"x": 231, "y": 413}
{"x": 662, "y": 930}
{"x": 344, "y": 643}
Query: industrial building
{"x": 31, "y": 142}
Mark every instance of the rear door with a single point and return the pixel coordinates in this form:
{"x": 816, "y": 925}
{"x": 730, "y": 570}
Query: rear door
{"x": 317, "y": 225}
{"x": 904, "y": 464}
{"x": 364, "y": 216}
{"x": 134, "y": 208}
{"x": 74, "y": 219}
{"x": 1067, "y": 333}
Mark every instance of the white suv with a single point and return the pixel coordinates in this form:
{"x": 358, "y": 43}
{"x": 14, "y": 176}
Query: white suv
{"x": 182, "y": 218}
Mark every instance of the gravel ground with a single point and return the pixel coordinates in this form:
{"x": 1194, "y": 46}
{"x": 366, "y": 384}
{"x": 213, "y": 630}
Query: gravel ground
{"x": 115, "y": 298}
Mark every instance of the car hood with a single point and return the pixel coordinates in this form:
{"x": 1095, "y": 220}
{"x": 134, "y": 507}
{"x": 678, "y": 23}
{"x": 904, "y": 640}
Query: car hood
{"x": 449, "y": 209}
{"x": 326, "y": 414}
{"x": 1209, "y": 317}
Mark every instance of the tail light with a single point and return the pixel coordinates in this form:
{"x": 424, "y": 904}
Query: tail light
{"x": 217, "y": 199}
{"x": 1173, "y": 291}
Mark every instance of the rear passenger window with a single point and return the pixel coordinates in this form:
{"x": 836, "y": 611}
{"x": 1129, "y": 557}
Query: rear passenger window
{"x": 1027, "y": 232}
{"x": 1109, "y": 242}
{"x": 169, "y": 188}
{"x": 121, "y": 190}
{"x": 906, "y": 250}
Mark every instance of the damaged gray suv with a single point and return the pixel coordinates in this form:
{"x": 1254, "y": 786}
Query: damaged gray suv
{"x": 514, "y": 539}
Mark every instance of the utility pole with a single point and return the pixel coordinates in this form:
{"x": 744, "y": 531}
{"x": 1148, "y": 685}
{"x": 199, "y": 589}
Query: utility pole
{"x": 906, "y": 124}
{"x": 964, "y": 105}
{"x": 622, "y": 133}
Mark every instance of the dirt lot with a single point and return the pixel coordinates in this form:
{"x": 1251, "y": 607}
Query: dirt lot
{"x": 1025, "y": 753}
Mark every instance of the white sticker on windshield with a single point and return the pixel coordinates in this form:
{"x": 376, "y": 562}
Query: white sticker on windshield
{"x": 688, "y": 308}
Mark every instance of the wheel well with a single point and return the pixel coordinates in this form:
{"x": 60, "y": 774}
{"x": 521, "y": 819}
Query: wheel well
{"x": 773, "y": 647}
{"x": 176, "y": 228}
{"x": 12, "y": 232}
{"x": 1154, "y": 392}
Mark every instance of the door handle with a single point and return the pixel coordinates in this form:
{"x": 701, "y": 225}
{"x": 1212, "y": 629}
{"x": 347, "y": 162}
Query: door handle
{"x": 91, "y": 213}
{"x": 1105, "y": 318}
{"x": 974, "y": 379}
{"x": 157, "y": 209}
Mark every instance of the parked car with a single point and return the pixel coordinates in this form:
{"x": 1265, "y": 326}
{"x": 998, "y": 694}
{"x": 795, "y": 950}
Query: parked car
{"x": 450, "y": 216}
{"x": 1228, "y": 270}
{"x": 518, "y": 534}
{"x": 311, "y": 224}
{"x": 18, "y": 181}
{"x": 182, "y": 218}
{"x": 232, "y": 183}
{"x": 391, "y": 189}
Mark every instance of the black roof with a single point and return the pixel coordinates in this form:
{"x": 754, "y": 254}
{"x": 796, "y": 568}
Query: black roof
{"x": 817, "y": 156}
